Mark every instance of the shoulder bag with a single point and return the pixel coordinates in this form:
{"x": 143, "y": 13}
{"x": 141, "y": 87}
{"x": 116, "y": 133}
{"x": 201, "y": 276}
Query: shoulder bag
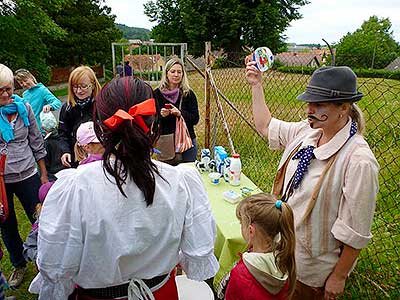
{"x": 3, "y": 192}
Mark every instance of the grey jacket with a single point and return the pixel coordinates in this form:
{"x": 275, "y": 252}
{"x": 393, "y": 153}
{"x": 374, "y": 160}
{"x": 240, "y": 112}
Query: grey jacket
{"x": 30, "y": 246}
{"x": 24, "y": 151}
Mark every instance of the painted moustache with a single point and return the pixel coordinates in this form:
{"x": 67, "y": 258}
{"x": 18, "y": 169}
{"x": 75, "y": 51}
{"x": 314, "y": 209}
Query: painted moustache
{"x": 322, "y": 118}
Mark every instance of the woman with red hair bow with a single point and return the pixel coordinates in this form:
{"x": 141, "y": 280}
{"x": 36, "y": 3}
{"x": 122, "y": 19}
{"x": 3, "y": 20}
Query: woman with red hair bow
{"x": 120, "y": 226}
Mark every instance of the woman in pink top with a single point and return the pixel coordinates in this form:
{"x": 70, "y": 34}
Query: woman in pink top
{"x": 328, "y": 175}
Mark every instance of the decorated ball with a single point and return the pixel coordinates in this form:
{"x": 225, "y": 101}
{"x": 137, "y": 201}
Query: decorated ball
{"x": 264, "y": 58}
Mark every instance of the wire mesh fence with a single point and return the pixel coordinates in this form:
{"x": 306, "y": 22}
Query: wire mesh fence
{"x": 377, "y": 275}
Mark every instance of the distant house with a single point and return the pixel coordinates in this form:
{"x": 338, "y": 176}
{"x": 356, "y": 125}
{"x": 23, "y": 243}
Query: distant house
{"x": 291, "y": 59}
{"x": 146, "y": 62}
{"x": 313, "y": 58}
{"x": 198, "y": 61}
{"x": 135, "y": 43}
{"x": 394, "y": 65}
{"x": 296, "y": 48}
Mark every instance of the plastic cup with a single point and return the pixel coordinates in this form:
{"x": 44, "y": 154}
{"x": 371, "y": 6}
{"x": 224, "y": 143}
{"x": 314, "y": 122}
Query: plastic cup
{"x": 214, "y": 177}
{"x": 264, "y": 58}
{"x": 246, "y": 191}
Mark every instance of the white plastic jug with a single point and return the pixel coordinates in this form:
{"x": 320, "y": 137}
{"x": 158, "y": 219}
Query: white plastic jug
{"x": 235, "y": 170}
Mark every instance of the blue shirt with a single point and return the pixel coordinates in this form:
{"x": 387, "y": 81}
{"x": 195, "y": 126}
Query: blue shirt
{"x": 128, "y": 70}
{"x": 39, "y": 96}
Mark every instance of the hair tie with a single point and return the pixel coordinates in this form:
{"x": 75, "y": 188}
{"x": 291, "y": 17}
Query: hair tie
{"x": 135, "y": 114}
{"x": 278, "y": 204}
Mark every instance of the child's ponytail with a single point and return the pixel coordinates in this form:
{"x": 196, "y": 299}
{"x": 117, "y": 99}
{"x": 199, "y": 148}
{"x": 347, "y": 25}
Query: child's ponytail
{"x": 79, "y": 153}
{"x": 275, "y": 219}
{"x": 285, "y": 247}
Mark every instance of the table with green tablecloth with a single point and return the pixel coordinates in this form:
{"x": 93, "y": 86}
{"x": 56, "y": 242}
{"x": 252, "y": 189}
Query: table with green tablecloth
{"x": 229, "y": 240}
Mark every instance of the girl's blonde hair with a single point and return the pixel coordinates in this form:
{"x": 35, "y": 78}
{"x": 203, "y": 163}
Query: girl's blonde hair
{"x": 23, "y": 74}
{"x": 6, "y": 75}
{"x": 262, "y": 210}
{"x": 76, "y": 76}
{"x": 164, "y": 83}
{"x": 38, "y": 209}
{"x": 79, "y": 152}
{"x": 356, "y": 114}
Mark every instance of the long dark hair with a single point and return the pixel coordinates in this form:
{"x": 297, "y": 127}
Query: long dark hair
{"x": 128, "y": 144}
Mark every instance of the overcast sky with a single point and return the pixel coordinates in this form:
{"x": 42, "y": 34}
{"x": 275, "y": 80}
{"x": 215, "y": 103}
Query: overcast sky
{"x": 326, "y": 19}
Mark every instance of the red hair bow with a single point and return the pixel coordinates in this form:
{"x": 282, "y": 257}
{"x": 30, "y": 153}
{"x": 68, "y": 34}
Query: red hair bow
{"x": 135, "y": 113}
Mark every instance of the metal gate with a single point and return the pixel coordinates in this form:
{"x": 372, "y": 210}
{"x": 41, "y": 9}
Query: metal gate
{"x": 145, "y": 57}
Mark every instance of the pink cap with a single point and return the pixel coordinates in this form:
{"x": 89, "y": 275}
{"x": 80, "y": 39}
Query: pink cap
{"x": 85, "y": 134}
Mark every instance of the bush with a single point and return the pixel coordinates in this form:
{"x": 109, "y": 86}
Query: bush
{"x": 277, "y": 64}
{"x": 109, "y": 75}
{"x": 297, "y": 69}
{"x": 374, "y": 73}
{"x": 365, "y": 73}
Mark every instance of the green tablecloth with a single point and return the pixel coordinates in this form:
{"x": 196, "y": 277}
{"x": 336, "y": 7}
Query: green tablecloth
{"x": 229, "y": 238}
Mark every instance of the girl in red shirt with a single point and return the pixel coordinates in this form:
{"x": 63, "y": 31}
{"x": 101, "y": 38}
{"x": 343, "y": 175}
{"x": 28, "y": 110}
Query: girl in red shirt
{"x": 269, "y": 270}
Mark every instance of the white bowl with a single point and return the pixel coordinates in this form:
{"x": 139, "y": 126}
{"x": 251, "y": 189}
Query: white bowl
{"x": 214, "y": 177}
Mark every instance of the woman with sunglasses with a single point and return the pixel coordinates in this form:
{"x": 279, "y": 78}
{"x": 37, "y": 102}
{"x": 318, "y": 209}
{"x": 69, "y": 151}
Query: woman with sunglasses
{"x": 83, "y": 86}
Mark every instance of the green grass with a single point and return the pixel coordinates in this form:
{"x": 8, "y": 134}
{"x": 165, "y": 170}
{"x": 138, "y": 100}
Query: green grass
{"x": 24, "y": 227}
{"x": 61, "y": 92}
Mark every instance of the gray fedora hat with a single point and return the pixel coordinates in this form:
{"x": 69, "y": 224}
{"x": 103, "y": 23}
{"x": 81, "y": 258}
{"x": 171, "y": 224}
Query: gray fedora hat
{"x": 331, "y": 84}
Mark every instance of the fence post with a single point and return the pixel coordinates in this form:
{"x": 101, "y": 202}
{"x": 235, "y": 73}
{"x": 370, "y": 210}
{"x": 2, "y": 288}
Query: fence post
{"x": 130, "y": 58}
{"x": 113, "y": 58}
{"x": 207, "y": 95}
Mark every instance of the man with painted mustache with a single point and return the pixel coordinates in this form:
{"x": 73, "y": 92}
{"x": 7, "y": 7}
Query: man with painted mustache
{"x": 327, "y": 174}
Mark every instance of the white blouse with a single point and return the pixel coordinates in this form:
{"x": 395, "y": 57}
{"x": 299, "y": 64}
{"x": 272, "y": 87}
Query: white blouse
{"x": 91, "y": 235}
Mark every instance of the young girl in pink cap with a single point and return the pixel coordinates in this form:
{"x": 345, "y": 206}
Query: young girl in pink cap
{"x": 87, "y": 148}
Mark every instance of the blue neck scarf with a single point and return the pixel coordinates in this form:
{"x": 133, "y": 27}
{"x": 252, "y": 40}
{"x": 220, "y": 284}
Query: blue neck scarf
{"x": 17, "y": 106}
{"x": 306, "y": 154}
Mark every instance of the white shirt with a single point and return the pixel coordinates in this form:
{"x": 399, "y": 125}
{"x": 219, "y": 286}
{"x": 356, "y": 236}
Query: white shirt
{"x": 91, "y": 235}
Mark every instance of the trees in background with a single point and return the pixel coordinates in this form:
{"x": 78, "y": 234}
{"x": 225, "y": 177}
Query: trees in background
{"x": 170, "y": 27}
{"x": 89, "y": 28}
{"x": 37, "y": 34}
{"x": 131, "y": 33}
{"x": 371, "y": 46}
{"x": 229, "y": 24}
{"x": 25, "y": 24}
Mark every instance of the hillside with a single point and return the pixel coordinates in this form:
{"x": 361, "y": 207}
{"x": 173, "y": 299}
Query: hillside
{"x": 132, "y": 33}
